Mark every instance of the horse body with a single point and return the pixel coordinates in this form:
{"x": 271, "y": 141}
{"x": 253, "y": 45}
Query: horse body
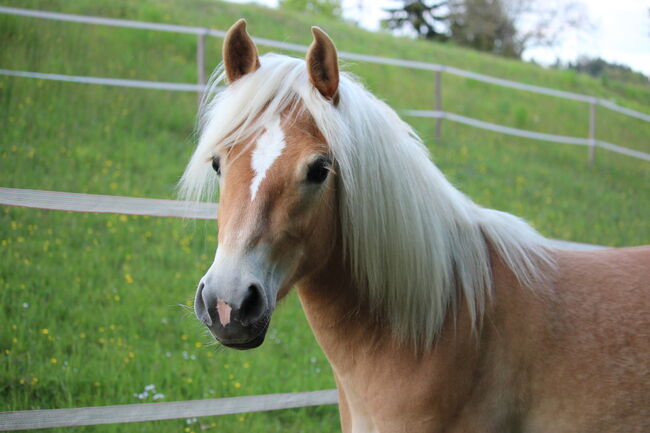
{"x": 436, "y": 315}
{"x": 571, "y": 358}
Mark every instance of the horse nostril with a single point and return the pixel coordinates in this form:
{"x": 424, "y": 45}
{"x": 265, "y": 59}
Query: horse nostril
{"x": 200, "y": 308}
{"x": 253, "y": 305}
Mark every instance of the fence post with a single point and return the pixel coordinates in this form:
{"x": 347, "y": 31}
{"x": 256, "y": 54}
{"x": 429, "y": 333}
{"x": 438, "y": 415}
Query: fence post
{"x": 438, "y": 104}
{"x": 200, "y": 62}
{"x": 592, "y": 131}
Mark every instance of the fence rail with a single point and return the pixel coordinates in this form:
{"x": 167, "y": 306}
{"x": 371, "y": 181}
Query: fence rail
{"x": 119, "y": 82}
{"x": 435, "y": 114}
{"x": 84, "y": 416}
{"x": 528, "y": 134}
{"x": 95, "y": 203}
{"x": 76, "y": 202}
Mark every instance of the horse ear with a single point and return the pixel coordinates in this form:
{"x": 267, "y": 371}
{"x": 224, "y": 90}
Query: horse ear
{"x": 322, "y": 65}
{"x": 239, "y": 52}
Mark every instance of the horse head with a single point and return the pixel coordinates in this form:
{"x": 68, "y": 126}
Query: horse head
{"x": 277, "y": 208}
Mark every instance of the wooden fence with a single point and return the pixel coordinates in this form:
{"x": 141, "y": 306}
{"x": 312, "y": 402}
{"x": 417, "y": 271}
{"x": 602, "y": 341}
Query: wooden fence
{"x": 439, "y": 114}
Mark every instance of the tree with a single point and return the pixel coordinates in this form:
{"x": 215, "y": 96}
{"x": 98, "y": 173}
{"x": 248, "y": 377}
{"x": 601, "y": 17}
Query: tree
{"x": 484, "y": 25}
{"x": 606, "y": 71}
{"x": 330, "y": 8}
{"x": 425, "y": 18}
{"x": 546, "y": 23}
{"x": 504, "y": 27}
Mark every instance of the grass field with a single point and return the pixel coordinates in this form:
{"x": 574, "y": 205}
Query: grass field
{"x": 92, "y": 305}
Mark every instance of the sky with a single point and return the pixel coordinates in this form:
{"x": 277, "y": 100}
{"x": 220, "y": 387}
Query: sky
{"x": 620, "y": 33}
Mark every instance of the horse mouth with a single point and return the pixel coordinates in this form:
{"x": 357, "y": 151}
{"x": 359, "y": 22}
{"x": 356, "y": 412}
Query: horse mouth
{"x": 251, "y": 344}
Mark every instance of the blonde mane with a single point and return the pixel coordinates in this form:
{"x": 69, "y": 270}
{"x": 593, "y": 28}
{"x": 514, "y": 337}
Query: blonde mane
{"x": 414, "y": 243}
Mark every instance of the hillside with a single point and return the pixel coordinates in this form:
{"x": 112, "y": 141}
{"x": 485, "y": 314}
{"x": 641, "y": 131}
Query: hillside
{"x": 165, "y": 131}
{"x": 90, "y": 302}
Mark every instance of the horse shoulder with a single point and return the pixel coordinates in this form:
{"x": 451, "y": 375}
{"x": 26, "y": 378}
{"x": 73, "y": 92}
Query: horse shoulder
{"x": 586, "y": 343}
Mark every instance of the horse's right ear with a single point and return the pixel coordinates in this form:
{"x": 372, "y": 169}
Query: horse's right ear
{"x": 239, "y": 52}
{"x": 322, "y": 65}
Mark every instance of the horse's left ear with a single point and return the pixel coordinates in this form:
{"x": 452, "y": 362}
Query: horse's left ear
{"x": 322, "y": 65}
{"x": 239, "y": 52}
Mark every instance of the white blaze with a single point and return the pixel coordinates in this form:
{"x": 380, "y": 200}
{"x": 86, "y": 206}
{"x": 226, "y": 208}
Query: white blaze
{"x": 268, "y": 147}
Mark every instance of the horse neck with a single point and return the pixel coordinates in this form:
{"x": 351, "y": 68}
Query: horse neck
{"x": 359, "y": 344}
{"x": 347, "y": 329}
{"x": 333, "y": 306}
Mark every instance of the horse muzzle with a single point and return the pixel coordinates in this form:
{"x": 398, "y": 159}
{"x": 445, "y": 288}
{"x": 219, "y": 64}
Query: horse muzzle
{"x": 237, "y": 318}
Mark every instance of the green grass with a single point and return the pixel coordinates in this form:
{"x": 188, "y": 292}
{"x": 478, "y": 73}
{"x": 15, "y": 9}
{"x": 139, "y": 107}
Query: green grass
{"x": 91, "y": 315}
{"x": 107, "y": 288}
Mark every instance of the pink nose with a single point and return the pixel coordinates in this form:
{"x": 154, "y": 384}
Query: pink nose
{"x": 246, "y": 307}
{"x": 237, "y": 318}
{"x": 224, "y": 312}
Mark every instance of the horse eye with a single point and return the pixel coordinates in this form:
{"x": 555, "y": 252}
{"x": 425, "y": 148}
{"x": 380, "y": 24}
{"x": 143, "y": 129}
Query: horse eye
{"x": 318, "y": 170}
{"x": 216, "y": 165}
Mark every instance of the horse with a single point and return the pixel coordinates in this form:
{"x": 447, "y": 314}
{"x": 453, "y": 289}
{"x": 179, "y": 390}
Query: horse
{"x": 436, "y": 314}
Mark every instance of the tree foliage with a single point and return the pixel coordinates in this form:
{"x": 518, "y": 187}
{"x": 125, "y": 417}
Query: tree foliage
{"x": 503, "y": 27}
{"x": 484, "y": 25}
{"x": 425, "y": 18}
{"x": 606, "y": 71}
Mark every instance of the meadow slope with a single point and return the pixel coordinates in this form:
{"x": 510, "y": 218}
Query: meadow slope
{"x": 95, "y": 307}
